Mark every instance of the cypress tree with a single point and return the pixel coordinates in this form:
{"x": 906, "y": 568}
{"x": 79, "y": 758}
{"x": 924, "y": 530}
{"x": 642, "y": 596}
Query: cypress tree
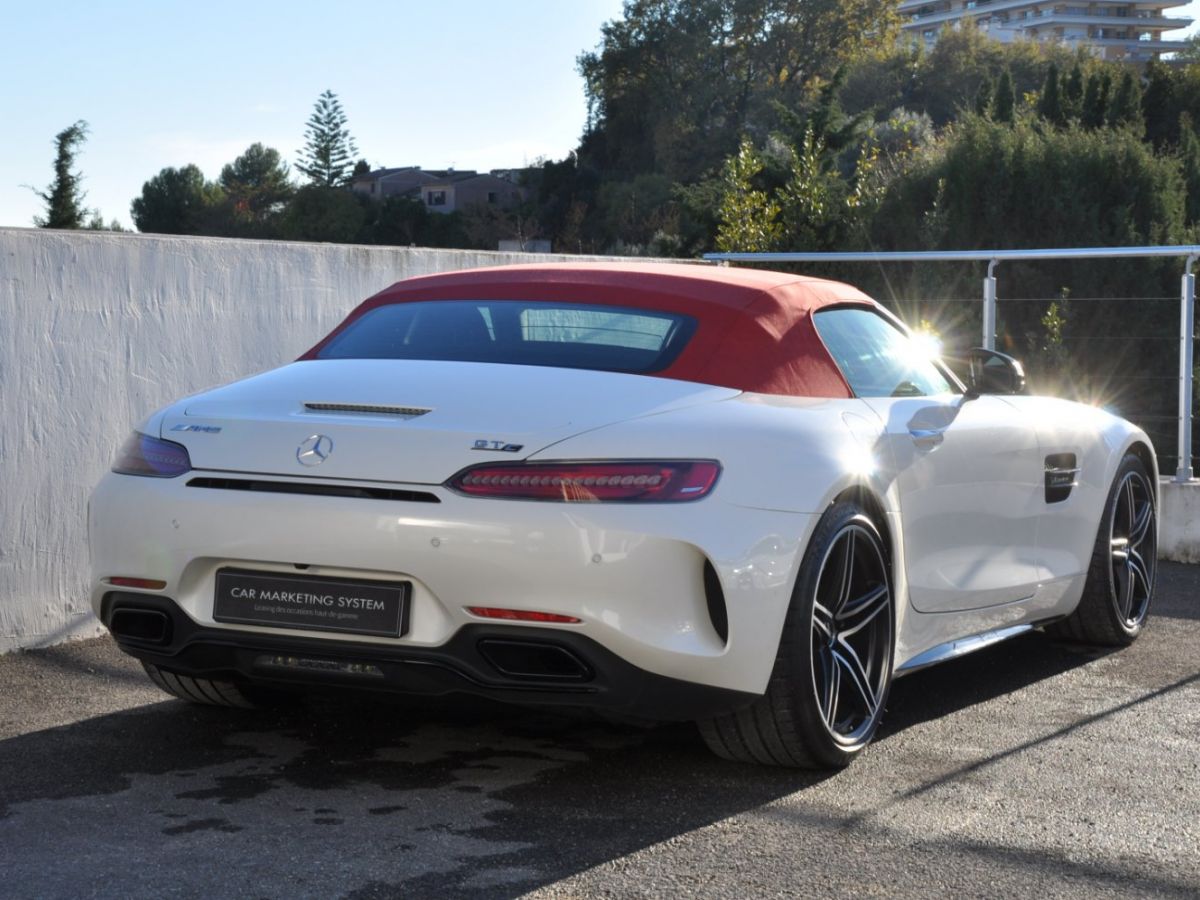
{"x": 1073, "y": 91}
{"x": 1158, "y": 102}
{"x": 1095, "y": 100}
{"x": 1126, "y": 108}
{"x": 1050, "y": 105}
{"x": 983, "y": 97}
{"x": 1189, "y": 158}
{"x": 1004, "y": 103}
{"x": 64, "y": 196}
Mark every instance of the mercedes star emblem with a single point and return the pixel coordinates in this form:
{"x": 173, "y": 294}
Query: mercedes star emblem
{"x": 314, "y": 450}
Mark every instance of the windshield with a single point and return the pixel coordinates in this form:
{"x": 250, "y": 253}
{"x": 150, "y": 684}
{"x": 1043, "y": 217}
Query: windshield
{"x": 566, "y": 335}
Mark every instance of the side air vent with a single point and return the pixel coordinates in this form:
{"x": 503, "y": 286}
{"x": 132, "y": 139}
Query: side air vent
{"x": 366, "y": 409}
{"x": 714, "y": 597}
{"x": 1061, "y": 472}
{"x": 324, "y": 490}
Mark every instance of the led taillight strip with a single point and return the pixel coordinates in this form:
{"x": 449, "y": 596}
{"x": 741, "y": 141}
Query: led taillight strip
{"x": 642, "y": 481}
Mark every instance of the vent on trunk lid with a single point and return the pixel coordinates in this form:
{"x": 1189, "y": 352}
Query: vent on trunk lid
{"x": 367, "y": 409}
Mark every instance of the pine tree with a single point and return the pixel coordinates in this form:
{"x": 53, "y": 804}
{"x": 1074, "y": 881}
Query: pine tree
{"x": 329, "y": 151}
{"x": 1003, "y": 104}
{"x": 64, "y": 196}
{"x": 256, "y": 187}
{"x": 1050, "y": 105}
{"x": 177, "y": 201}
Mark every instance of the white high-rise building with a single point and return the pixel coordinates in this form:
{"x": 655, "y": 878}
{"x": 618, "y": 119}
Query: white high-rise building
{"x": 1112, "y": 29}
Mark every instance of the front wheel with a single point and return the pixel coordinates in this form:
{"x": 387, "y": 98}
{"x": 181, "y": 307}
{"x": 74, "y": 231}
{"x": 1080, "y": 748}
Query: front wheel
{"x": 833, "y": 669}
{"x": 1120, "y": 580}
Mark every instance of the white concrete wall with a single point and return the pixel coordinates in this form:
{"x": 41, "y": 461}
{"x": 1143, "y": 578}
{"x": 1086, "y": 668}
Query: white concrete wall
{"x": 98, "y": 329}
{"x": 1179, "y": 521}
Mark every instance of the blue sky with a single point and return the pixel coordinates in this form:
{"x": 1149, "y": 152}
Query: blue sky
{"x": 474, "y": 84}
{"x": 465, "y": 83}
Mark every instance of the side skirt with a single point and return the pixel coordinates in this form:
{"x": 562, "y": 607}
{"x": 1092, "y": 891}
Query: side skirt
{"x": 962, "y": 646}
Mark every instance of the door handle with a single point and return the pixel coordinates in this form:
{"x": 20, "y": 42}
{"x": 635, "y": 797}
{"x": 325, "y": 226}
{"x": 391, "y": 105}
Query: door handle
{"x": 927, "y": 437}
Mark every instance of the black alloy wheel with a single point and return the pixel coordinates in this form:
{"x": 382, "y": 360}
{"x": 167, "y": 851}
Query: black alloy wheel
{"x": 833, "y": 669}
{"x": 1119, "y": 589}
{"x": 852, "y": 635}
{"x": 1133, "y": 544}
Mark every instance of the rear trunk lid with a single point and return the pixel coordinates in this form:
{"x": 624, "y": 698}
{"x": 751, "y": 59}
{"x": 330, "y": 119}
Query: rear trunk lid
{"x": 408, "y": 421}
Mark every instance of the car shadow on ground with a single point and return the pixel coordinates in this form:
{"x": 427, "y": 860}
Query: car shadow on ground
{"x": 940, "y": 690}
{"x": 377, "y": 797}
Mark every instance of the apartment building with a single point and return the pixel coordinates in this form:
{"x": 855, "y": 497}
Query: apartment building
{"x": 1111, "y": 29}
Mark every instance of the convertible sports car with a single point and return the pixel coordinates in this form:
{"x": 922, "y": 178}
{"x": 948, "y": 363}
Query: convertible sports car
{"x": 672, "y": 492}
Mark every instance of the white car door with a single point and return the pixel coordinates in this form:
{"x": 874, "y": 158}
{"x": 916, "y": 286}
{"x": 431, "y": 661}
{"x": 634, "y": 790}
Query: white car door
{"x": 969, "y": 479}
{"x": 968, "y": 474}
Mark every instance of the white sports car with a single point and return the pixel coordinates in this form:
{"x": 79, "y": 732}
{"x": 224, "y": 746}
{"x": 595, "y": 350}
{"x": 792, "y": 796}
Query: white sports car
{"x": 671, "y": 492}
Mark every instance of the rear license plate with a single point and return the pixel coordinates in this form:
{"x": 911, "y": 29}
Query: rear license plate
{"x": 314, "y": 602}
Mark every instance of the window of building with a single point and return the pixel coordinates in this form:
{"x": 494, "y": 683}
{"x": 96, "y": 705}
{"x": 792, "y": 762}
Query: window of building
{"x": 435, "y": 198}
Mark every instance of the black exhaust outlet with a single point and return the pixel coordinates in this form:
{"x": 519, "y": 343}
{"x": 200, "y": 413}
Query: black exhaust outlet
{"x": 145, "y": 626}
{"x": 534, "y": 661}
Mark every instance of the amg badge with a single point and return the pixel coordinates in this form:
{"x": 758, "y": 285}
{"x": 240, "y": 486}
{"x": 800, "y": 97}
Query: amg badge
{"x": 498, "y": 446}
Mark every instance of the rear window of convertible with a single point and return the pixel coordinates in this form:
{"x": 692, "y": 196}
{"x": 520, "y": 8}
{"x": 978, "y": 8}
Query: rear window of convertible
{"x": 567, "y": 335}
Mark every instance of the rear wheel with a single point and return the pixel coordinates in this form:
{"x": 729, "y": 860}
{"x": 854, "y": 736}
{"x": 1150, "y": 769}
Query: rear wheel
{"x": 1120, "y": 581}
{"x": 833, "y": 670}
{"x": 209, "y": 691}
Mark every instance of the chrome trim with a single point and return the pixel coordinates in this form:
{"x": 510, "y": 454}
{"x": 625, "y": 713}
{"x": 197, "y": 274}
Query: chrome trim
{"x": 1059, "y": 470}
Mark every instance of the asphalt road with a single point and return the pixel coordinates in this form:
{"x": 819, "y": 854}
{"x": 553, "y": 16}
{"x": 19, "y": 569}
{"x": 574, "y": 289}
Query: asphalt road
{"x": 1033, "y": 768}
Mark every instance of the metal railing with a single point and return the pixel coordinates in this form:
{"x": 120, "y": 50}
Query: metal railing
{"x": 993, "y": 258}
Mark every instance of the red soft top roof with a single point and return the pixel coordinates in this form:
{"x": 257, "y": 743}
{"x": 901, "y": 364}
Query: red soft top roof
{"x": 755, "y": 329}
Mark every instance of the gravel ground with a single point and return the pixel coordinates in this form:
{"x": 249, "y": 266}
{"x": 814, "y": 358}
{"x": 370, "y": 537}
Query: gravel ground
{"x": 1030, "y": 768}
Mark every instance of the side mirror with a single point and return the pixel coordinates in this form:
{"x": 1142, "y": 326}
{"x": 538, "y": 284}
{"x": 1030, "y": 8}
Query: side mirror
{"x": 993, "y": 372}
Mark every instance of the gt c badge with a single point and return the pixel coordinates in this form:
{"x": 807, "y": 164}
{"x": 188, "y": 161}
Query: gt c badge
{"x": 314, "y": 450}
{"x": 498, "y": 446}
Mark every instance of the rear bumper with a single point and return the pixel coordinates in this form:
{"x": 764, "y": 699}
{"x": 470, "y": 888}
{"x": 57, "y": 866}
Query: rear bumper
{"x": 633, "y": 574}
{"x": 522, "y": 665}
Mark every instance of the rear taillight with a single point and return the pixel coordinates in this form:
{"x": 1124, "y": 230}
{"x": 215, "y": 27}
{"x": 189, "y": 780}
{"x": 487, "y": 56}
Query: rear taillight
{"x": 145, "y": 455}
{"x": 655, "y": 481}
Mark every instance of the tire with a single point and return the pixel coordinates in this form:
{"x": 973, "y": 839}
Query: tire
{"x": 207, "y": 691}
{"x": 833, "y": 669}
{"x": 1119, "y": 589}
